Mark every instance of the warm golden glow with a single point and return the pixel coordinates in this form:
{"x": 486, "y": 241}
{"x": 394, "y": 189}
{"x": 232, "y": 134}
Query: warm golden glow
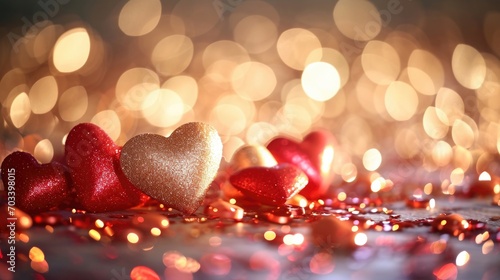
{"x": 294, "y": 46}
{"x": 133, "y": 237}
{"x": 72, "y": 50}
{"x": 253, "y": 80}
{"x": 425, "y": 72}
{"x": 401, "y": 101}
{"x": 462, "y": 258}
{"x": 320, "y": 81}
{"x": 172, "y": 55}
{"x": 44, "y": 151}
{"x": 139, "y": 17}
{"x": 360, "y": 239}
{"x": 255, "y": 33}
{"x": 380, "y": 62}
{"x": 134, "y": 85}
{"x": 435, "y": 123}
{"x": 43, "y": 95}
{"x": 109, "y": 121}
{"x": 357, "y": 19}
{"x": 20, "y": 110}
{"x": 372, "y": 159}
{"x": 73, "y": 103}
{"x": 468, "y": 66}
{"x": 36, "y": 254}
{"x": 163, "y": 108}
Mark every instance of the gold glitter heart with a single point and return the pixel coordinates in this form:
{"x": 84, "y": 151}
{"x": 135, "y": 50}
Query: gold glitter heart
{"x": 177, "y": 170}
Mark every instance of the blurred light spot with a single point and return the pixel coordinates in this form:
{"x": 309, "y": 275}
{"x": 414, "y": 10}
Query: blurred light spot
{"x": 44, "y": 152}
{"x": 132, "y": 237}
{"x": 43, "y": 95}
{"x": 134, "y": 85}
{"x": 294, "y": 46}
{"x": 349, "y": 172}
{"x": 428, "y": 188}
{"x": 468, "y": 66}
{"x": 462, "y": 258}
{"x": 357, "y": 19}
{"x": 320, "y": 81}
{"x": 186, "y": 87}
{"x": 36, "y": 254}
{"x": 72, "y": 50}
{"x": 401, "y": 101}
{"x": 432, "y": 203}
{"x": 322, "y": 263}
{"x": 155, "y": 231}
{"x": 360, "y": 239}
{"x": 488, "y": 246}
{"x": 378, "y": 184}
{"x": 333, "y": 57}
{"x": 108, "y": 120}
{"x": 342, "y": 196}
{"x": 143, "y": 273}
{"x": 253, "y": 80}
{"x": 40, "y": 267}
{"x": 435, "y": 123}
{"x": 44, "y": 41}
{"x": 228, "y": 119}
{"x": 446, "y": 272}
{"x": 139, "y": 17}
{"x": 380, "y": 62}
{"x": 224, "y": 50}
{"x": 172, "y": 55}
{"x": 269, "y": 235}
{"x": 163, "y": 108}
{"x": 73, "y": 104}
{"x": 462, "y": 134}
{"x": 442, "y": 153}
{"x": 451, "y": 103}
{"x": 99, "y": 223}
{"x": 255, "y": 33}
{"x": 372, "y": 159}
{"x": 484, "y": 176}
{"x": 457, "y": 176}
{"x": 94, "y": 234}
{"x": 260, "y": 133}
{"x": 20, "y": 110}
{"x": 425, "y": 72}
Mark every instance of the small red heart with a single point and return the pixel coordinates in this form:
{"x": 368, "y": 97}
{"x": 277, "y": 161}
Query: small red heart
{"x": 270, "y": 185}
{"x": 94, "y": 162}
{"x": 36, "y": 187}
{"x": 314, "y": 155}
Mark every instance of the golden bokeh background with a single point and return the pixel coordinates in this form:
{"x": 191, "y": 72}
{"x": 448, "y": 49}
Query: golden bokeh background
{"x": 403, "y": 85}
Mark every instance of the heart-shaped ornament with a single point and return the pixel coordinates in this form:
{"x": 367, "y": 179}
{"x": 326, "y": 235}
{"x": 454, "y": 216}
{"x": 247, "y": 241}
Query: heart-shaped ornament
{"x": 314, "y": 155}
{"x": 94, "y": 163}
{"x": 177, "y": 170}
{"x": 270, "y": 185}
{"x": 36, "y": 187}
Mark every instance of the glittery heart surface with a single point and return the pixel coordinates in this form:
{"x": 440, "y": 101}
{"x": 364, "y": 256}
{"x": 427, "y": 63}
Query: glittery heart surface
{"x": 37, "y": 187}
{"x": 270, "y": 185}
{"x": 314, "y": 155}
{"x": 93, "y": 160}
{"x": 176, "y": 170}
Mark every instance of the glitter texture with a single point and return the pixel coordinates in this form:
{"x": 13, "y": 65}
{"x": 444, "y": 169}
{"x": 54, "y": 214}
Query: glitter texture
{"x": 93, "y": 160}
{"x": 176, "y": 170}
{"x": 270, "y": 185}
{"x": 38, "y": 187}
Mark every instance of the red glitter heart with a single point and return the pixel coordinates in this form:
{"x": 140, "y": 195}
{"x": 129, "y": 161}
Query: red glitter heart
{"x": 94, "y": 162}
{"x": 314, "y": 155}
{"x": 270, "y": 185}
{"x": 37, "y": 187}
